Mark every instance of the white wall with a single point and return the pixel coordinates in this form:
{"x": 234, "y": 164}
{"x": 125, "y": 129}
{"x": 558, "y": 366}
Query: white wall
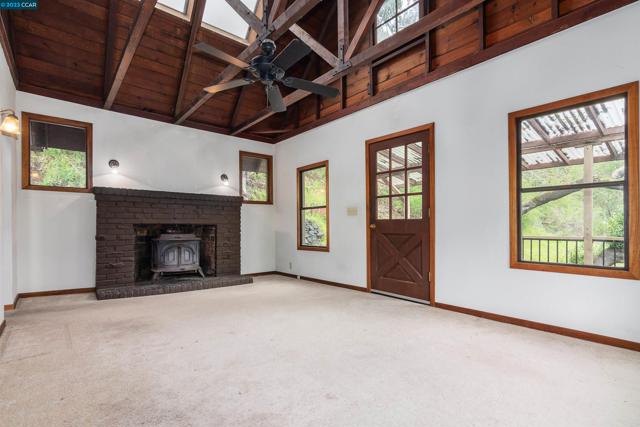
{"x": 56, "y": 231}
{"x": 7, "y": 193}
{"x": 472, "y": 242}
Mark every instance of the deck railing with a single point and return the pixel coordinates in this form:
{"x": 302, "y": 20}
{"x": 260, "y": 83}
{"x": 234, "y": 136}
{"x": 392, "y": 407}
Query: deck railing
{"x": 607, "y": 251}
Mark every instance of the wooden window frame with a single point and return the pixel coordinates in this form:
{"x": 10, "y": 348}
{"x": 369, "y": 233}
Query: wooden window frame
{"x": 26, "y": 152}
{"x": 299, "y": 208}
{"x": 375, "y": 26}
{"x": 269, "y": 160}
{"x": 632, "y": 270}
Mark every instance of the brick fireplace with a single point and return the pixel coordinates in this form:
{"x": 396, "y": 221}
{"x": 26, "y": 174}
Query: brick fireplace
{"x": 129, "y": 220}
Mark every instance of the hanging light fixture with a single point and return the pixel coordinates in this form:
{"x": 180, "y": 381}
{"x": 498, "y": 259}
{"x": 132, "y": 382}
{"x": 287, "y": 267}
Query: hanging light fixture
{"x": 10, "y": 124}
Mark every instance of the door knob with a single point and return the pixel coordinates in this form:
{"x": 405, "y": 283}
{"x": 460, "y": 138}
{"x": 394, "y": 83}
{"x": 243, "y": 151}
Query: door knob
{"x": 372, "y": 226}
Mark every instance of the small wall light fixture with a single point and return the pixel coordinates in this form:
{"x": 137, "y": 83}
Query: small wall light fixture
{"x": 10, "y": 125}
{"x": 114, "y": 165}
{"x": 224, "y": 178}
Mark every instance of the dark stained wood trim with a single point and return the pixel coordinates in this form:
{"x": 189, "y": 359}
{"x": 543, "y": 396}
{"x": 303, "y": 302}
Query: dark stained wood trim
{"x": 269, "y": 160}
{"x": 147, "y": 7}
{"x": 555, "y": 9}
{"x": 431, "y": 149}
{"x": 587, "y": 336}
{"x": 630, "y": 90}
{"x": 299, "y": 171}
{"x": 5, "y": 41}
{"x": 56, "y": 292}
{"x": 322, "y": 281}
{"x": 3, "y": 325}
{"x": 263, "y": 273}
{"x": 482, "y": 19}
{"x": 578, "y": 16}
{"x": 112, "y": 25}
{"x": 9, "y": 307}
{"x": 363, "y": 28}
{"x": 279, "y": 26}
{"x": 26, "y": 152}
{"x": 196, "y": 22}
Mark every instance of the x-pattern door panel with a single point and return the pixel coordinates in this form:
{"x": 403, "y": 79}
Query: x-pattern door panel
{"x": 399, "y": 187}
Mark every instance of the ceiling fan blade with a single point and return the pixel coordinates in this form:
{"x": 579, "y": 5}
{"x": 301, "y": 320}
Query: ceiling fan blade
{"x": 275, "y": 99}
{"x": 294, "y": 52}
{"x": 318, "y": 89}
{"x": 228, "y": 85}
{"x": 218, "y": 54}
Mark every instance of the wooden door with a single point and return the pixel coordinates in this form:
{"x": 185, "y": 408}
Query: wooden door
{"x": 399, "y": 215}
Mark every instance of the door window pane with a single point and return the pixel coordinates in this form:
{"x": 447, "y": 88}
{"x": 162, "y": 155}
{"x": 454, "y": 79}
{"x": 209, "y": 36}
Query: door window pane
{"x": 383, "y": 185}
{"x": 414, "y": 155}
{"x": 397, "y": 182}
{"x": 397, "y": 207}
{"x": 415, "y": 180}
{"x": 383, "y": 208}
{"x": 415, "y": 206}
{"x": 382, "y": 160}
{"x": 397, "y": 157}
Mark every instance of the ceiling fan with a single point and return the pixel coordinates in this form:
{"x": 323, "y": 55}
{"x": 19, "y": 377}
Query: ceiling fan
{"x": 270, "y": 70}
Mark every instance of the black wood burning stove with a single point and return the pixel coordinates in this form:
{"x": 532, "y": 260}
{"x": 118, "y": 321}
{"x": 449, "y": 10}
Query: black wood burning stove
{"x": 175, "y": 253}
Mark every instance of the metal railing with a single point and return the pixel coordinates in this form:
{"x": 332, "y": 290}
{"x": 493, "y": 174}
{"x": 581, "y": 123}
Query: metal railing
{"x": 607, "y": 251}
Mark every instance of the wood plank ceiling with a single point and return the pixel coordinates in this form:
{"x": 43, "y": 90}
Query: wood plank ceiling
{"x": 133, "y": 57}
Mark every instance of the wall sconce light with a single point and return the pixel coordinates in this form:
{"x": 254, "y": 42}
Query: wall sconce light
{"x": 224, "y": 178}
{"x": 10, "y": 124}
{"x": 114, "y": 165}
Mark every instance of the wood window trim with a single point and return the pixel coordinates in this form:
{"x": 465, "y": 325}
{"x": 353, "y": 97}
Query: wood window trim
{"x": 269, "y": 160}
{"x": 299, "y": 171}
{"x": 26, "y": 152}
{"x": 629, "y": 90}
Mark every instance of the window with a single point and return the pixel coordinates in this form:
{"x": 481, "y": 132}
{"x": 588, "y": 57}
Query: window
{"x": 399, "y": 182}
{"x": 395, "y": 15}
{"x": 256, "y": 181}
{"x": 220, "y": 15}
{"x": 177, "y": 5}
{"x": 313, "y": 207}
{"x": 56, "y": 154}
{"x": 574, "y": 185}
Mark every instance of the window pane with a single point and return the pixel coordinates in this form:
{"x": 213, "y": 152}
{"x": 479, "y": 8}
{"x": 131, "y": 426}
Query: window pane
{"x": 415, "y": 180}
{"x": 314, "y": 227}
{"x": 403, "y": 4}
{"x": 383, "y": 185}
{"x": 179, "y": 5}
{"x": 414, "y": 154}
{"x": 314, "y": 187}
{"x": 397, "y": 157}
{"x": 556, "y": 146}
{"x": 255, "y": 179}
{"x": 553, "y": 230}
{"x": 58, "y": 155}
{"x": 408, "y": 17}
{"x": 220, "y": 15}
{"x": 382, "y": 160}
{"x": 383, "y": 208}
{"x": 385, "y": 31}
{"x": 397, "y": 207}
{"x": 415, "y": 207}
{"x": 386, "y": 11}
{"x": 397, "y": 183}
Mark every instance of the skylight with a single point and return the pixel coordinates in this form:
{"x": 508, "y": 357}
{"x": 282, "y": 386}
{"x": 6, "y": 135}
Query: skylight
{"x": 179, "y": 5}
{"x": 220, "y": 15}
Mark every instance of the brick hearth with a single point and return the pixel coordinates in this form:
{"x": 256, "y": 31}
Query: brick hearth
{"x": 119, "y": 211}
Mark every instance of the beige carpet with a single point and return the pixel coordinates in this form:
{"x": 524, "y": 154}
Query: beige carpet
{"x": 283, "y": 352}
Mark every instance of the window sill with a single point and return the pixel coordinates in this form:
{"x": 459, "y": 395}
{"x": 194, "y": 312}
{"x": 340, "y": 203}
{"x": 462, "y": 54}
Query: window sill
{"x": 313, "y": 248}
{"x": 576, "y": 269}
{"x": 249, "y": 202}
{"x": 60, "y": 189}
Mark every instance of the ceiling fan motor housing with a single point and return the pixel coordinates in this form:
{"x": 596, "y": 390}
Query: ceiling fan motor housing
{"x": 261, "y": 65}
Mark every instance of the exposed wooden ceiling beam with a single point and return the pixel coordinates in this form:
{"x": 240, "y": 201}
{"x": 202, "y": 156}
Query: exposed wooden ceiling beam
{"x": 440, "y": 16}
{"x": 277, "y": 8}
{"x": 260, "y": 13}
{"x": 5, "y": 40}
{"x": 247, "y": 15}
{"x": 315, "y": 45}
{"x": 343, "y": 28}
{"x": 196, "y": 22}
{"x": 109, "y": 45}
{"x": 279, "y": 26}
{"x": 147, "y": 7}
{"x": 363, "y": 27}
